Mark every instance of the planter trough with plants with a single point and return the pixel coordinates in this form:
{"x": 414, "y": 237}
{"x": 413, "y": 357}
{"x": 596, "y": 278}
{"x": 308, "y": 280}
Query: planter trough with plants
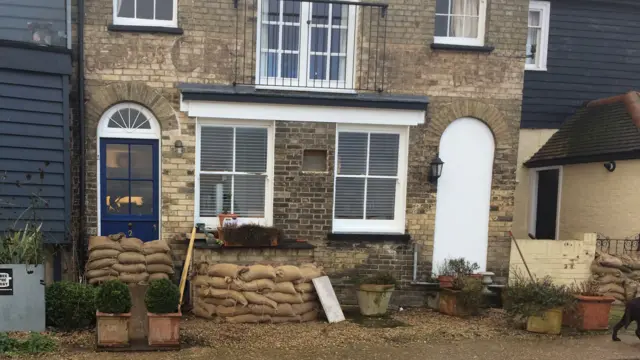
{"x": 163, "y": 301}
{"x": 465, "y": 298}
{"x": 374, "y": 294}
{"x": 590, "y": 310}
{"x": 113, "y": 303}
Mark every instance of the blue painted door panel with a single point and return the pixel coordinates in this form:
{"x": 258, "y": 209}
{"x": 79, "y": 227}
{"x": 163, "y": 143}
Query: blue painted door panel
{"x": 129, "y": 187}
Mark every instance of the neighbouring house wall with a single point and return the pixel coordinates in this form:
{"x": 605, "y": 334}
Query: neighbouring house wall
{"x": 599, "y": 201}
{"x": 565, "y": 261}
{"x": 531, "y": 140}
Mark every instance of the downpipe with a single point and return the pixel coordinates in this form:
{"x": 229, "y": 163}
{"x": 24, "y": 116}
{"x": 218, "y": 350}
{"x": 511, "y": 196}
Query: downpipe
{"x": 414, "y": 281}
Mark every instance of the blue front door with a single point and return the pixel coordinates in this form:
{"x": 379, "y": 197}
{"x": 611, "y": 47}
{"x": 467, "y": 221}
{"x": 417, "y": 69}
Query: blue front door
{"x": 129, "y": 190}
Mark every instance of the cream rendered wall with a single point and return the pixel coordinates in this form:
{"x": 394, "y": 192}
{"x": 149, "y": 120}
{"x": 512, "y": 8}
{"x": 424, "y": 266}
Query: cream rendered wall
{"x": 599, "y": 201}
{"x": 531, "y": 140}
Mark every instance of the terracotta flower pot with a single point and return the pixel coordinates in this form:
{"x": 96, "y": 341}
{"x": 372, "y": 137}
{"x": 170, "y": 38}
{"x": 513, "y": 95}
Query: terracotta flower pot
{"x": 449, "y": 302}
{"x": 164, "y": 329}
{"x": 113, "y": 329}
{"x": 446, "y": 282}
{"x": 590, "y": 313}
{"x": 373, "y": 300}
{"x": 550, "y": 322}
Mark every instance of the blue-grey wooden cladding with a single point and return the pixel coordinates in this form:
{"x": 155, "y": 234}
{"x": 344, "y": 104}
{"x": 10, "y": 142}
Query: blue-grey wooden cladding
{"x": 594, "y": 52}
{"x": 34, "y": 141}
{"x": 15, "y": 16}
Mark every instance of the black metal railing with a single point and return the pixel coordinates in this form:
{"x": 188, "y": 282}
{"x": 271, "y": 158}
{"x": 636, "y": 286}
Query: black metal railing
{"x": 324, "y": 44}
{"x": 618, "y": 246}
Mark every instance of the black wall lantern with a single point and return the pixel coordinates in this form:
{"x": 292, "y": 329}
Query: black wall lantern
{"x": 435, "y": 169}
{"x": 610, "y": 166}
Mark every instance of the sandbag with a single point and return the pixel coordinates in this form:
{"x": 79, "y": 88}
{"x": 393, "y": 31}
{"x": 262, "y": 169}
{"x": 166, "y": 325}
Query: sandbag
{"x": 611, "y": 287}
{"x": 219, "y": 282}
{"x": 309, "y": 273}
{"x": 287, "y": 273}
{"x": 255, "y": 298}
{"x": 103, "y": 243}
{"x": 155, "y": 247}
{"x": 223, "y": 270}
{"x": 130, "y": 257}
{"x": 285, "y": 319}
{"x": 606, "y": 279}
{"x": 158, "y": 259}
{"x": 259, "y": 309}
{"x": 285, "y": 310}
{"x": 634, "y": 275}
{"x": 202, "y": 268}
{"x": 615, "y": 295}
{"x": 284, "y": 298}
{"x": 248, "y": 318}
{"x": 309, "y": 316}
{"x": 608, "y": 260}
{"x": 631, "y": 262}
{"x": 309, "y": 296}
{"x": 131, "y": 244}
{"x": 602, "y": 270}
{"x": 134, "y": 278}
{"x": 630, "y": 289}
{"x": 116, "y": 237}
{"x": 200, "y": 280}
{"x": 130, "y": 268}
{"x": 285, "y": 287}
{"x": 257, "y": 272}
{"x": 160, "y": 268}
{"x": 232, "y": 310}
{"x": 101, "y": 279}
{"x": 103, "y": 254}
{"x": 158, "y": 276}
{"x": 219, "y": 302}
{"x": 305, "y": 287}
{"x": 261, "y": 285}
{"x": 202, "y": 309}
{"x": 101, "y": 272}
{"x": 228, "y": 294}
{"x": 203, "y": 291}
{"x": 101, "y": 264}
{"x": 305, "y": 307}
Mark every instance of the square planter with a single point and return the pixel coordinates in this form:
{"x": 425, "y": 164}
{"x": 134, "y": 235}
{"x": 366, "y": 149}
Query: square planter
{"x": 590, "y": 313}
{"x": 22, "y": 306}
{"x": 446, "y": 282}
{"x": 164, "y": 329}
{"x": 550, "y": 322}
{"x": 449, "y": 303}
{"x": 373, "y": 300}
{"x": 113, "y": 329}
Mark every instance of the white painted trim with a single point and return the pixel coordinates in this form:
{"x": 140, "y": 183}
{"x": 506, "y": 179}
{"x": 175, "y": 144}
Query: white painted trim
{"x": 545, "y": 9}
{"x": 108, "y": 132}
{"x": 533, "y": 193}
{"x": 145, "y": 22}
{"x": 305, "y": 89}
{"x": 397, "y": 225}
{"x": 268, "y": 201}
{"x": 310, "y": 113}
{"x": 68, "y": 27}
{"x": 479, "y": 41}
{"x": 155, "y": 126}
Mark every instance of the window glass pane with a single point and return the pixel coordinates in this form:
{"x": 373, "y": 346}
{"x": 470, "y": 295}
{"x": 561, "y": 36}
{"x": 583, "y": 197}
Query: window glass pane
{"x": 164, "y": 9}
{"x": 117, "y": 161}
{"x": 144, "y": 9}
{"x": 141, "y": 162}
{"x": 126, "y": 8}
{"x": 215, "y": 194}
{"x": 534, "y": 18}
{"x": 338, "y": 68}
{"x": 339, "y": 40}
{"x": 319, "y": 39}
{"x": 216, "y": 148}
{"x": 270, "y": 36}
{"x": 135, "y": 117}
{"x": 271, "y": 10}
{"x": 349, "y": 198}
{"x": 249, "y": 195}
{"x": 470, "y": 7}
{"x": 117, "y": 197}
{"x": 383, "y": 154}
{"x": 320, "y": 13}
{"x": 442, "y": 6}
{"x": 289, "y": 66}
{"x": 290, "y": 37}
{"x": 291, "y": 11}
{"x": 381, "y": 198}
{"x": 352, "y": 153}
{"x": 142, "y": 198}
{"x": 533, "y": 39}
{"x": 251, "y": 150}
{"x": 318, "y": 67}
{"x": 269, "y": 64}
{"x": 339, "y": 14}
{"x": 118, "y": 121}
{"x": 463, "y": 26}
{"x": 442, "y": 24}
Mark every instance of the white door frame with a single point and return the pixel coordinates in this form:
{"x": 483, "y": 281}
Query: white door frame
{"x": 533, "y": 191}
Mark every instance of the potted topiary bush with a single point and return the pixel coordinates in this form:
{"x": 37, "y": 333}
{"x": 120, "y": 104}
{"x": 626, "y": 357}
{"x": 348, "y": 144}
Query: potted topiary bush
{"x": 113, "y": 303}
{"x": 464, "y": 298}
{"x": 452, "y": 268}
{"x": 163, "y": 301}
{"x": 590, "y": 309}
{"x": 374, "y": 293}
{"x": 538, "y": 302}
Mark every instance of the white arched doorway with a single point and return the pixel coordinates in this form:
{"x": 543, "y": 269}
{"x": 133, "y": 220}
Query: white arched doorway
{"x": 464, "y": 193}
{"x": 128, "y": 176}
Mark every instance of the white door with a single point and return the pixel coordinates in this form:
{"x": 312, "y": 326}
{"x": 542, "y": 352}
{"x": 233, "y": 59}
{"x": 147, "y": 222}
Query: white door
{"x": 464, "y": 193}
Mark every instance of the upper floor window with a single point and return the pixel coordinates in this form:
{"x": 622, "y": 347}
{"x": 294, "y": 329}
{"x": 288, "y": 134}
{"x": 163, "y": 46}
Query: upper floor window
{"x": 145, "y": 12}
{"x": 538, "y": 36}
{"x": 305, "y": 44}
{"x": 460, "y": 22}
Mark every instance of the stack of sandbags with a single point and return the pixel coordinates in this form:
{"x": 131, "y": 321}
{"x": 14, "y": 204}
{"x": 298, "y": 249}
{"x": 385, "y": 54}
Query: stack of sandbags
{"x": 103, "y": 254}
{"x": 617, "y": 276}
{"x": 131, "y": 266}
{"x": 256, "y": 293}
{"x": 158, "y": 259}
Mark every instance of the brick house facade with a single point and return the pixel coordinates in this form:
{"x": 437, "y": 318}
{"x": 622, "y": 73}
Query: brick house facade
{"x": 129, "y": 64}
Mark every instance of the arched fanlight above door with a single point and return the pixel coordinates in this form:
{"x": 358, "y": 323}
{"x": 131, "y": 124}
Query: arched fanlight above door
{"x": 129, "y": 120}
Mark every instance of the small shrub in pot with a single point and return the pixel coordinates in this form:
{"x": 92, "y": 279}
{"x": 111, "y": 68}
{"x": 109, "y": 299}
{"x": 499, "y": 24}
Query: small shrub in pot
{"x": 464, "y": 298}
{"x": 113, "y": 301}
{"x": 70, "y": 305}
{"x": 374, "y": 293}
{"x": 590, "y": 309}
{"x": 163, "y": 301}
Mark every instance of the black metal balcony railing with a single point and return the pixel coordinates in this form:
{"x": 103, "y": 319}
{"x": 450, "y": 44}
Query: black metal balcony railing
{"x": 332, "y": 45}
{"x": 42, "y": 22}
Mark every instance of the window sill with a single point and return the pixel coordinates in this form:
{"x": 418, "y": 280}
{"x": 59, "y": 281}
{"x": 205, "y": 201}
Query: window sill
{"x": 146, "y": 29}
{"x": 366, "y": 237}
{"x": 471, "y": 48}
{"x": 535, "y": 68}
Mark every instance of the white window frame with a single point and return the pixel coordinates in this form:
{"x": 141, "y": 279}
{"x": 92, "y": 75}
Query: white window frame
{"x": 213, "y": 222}
{"x": 479, "y": 41}
{"x": 533, "y": 206}
{"x": 397, "y": 225}
{"x": 544, "y": 7}
{"x": 304, "y": 83}
{"x": 117, "y": 20}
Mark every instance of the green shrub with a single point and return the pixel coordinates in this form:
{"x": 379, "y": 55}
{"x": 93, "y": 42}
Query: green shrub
{"x": 113, "y": 297}
{"x": 35, "y": 344}
{"x": 524, "y": 297}
{"x": 7, "y": 344}
{"x": 457, "y": 267}
{"x": 163, "y": 297}
{"x": 470, "y": 296}
{"x": 381, "y": 278}
{"x": 70, "y": 305}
